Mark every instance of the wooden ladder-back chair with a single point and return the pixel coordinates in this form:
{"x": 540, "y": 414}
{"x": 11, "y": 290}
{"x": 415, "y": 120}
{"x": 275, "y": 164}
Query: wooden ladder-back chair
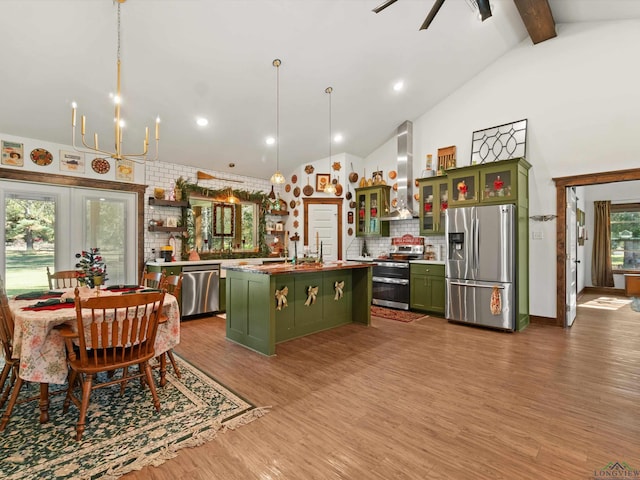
{"x": 129, "y": 324}
{"x": 151, "y": 279}
{"x": 62, "y": 279}
{"x": 172, "y": 284}
{"x": 10, "y": 369}
{"x": 10, "y": 381}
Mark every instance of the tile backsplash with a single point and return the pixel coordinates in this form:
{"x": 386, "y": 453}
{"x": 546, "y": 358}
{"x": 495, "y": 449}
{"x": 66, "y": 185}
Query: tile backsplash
{"x": 380, "y": 245}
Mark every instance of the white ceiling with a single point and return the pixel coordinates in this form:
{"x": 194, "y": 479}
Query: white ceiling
{"x": 213, "y": 58}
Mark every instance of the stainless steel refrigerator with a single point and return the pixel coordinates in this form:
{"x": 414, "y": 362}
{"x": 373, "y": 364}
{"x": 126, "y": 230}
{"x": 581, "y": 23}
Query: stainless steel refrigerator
{"x": 480, "y": 266}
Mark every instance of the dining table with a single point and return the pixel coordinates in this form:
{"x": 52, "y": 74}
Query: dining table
{"x": 40, "y": 347}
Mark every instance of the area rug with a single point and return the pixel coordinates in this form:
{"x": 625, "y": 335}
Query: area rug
{"x": 392, "y": 314}
{"x": 606, "y": 303}
{"x": 122, "y": 433}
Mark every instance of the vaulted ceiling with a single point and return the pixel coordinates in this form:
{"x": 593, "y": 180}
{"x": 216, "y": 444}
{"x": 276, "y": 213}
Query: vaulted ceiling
{"x": 183, "y": 59}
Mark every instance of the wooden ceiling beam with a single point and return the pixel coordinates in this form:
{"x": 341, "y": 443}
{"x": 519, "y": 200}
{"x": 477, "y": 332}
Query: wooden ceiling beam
{"x": 537, "y": 17}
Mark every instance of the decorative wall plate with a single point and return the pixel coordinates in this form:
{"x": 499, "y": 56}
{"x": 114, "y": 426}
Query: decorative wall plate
{"x": 296, "y": 192}
{"x": 336, "y": 166}
{"x": 392, "y": 174}
{"x": 100, "y": 165}
{"x": 309, "y": 169}
{"x": 41, "y": 157}
{"x": 292, "y": 204}
{"x": 294, "y": 178}
{"x": 295, "y": 212}
{"x": 394, "y": 203}
{"x": 350, "y": 231}
{"x": 287, "y": 188}
{"x": 296, "y": 224}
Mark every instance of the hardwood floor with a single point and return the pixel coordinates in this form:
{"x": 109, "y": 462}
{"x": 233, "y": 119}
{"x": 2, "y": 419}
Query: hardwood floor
{"x": 425, "y": 400}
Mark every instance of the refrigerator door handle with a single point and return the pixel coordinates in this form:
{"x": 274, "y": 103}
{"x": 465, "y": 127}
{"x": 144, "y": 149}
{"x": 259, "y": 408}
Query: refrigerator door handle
{"x": 474, "y": 285}
{"x": 476, "y": 247}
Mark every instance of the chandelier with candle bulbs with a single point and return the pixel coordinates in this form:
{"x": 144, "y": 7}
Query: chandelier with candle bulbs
{"x": 119, "y": 124}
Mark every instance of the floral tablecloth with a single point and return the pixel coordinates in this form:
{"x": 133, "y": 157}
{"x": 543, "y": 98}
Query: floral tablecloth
{"x": 41, "y": 348}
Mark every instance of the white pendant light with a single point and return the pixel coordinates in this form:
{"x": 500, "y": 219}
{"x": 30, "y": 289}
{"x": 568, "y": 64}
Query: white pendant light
{"x": 330, "y": 188}
{"x": 277, "y": 178}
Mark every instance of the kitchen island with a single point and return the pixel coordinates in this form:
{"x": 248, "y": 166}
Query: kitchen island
{"x": 270, "y": 304}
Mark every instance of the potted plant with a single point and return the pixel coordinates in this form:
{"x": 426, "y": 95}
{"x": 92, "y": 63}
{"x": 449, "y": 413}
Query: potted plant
{"x": 92, "y": 270}
{"x": 179, "y": 189}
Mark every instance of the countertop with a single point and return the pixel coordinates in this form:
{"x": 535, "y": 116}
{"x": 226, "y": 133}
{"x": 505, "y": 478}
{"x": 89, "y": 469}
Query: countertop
{"x": 286, "y": 268}
{"x": 223, "y": 262}
{"x": 220, "y": 261}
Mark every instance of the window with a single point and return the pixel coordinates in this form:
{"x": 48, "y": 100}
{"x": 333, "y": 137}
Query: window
{"x": 625, "y": 236}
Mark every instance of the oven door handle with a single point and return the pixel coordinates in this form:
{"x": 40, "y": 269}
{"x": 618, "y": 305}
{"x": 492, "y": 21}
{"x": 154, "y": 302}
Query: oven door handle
{"x": 394, "y": 281}
{"x": 393, "y": 264}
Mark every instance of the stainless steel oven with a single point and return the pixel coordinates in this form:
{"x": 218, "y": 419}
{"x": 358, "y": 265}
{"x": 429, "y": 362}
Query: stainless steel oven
{"x": 391, "y": 284}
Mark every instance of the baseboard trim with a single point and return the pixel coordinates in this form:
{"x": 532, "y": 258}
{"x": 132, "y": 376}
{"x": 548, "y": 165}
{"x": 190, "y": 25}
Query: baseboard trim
{"x": 604, "y": 291}
{"x": 538, "y": 320}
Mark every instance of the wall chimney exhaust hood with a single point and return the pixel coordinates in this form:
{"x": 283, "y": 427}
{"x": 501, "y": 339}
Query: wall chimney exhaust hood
{"x": 405, "y": 174}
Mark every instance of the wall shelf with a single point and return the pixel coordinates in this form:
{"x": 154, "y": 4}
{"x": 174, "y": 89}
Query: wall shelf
{"x": 156, "y": 228}
{"x": 167, "y": 203}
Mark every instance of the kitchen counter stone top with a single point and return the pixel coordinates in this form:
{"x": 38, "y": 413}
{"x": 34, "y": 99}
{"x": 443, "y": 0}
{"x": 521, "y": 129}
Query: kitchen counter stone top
{"x": 286, "y": 268}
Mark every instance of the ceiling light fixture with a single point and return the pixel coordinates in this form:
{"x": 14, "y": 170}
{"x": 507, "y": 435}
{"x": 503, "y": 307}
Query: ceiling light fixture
{"x": 270, "y": 141}
{"x": 277, "y": 178}
{"x": 202, "y": 122}
{"x": 119, "y": 123}
{"x": 398, "y": 86}
{"x": 330, "y": 188}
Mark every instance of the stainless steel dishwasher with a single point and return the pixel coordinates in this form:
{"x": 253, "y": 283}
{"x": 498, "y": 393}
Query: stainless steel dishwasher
{"x": 200, "y": 289}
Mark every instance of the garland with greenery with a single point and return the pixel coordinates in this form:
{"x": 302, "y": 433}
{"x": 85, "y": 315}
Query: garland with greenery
{"x": 259, "y": 198}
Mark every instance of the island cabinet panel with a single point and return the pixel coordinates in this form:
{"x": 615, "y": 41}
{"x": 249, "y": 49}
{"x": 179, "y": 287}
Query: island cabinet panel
{"x": 263, "y": 309}
{"x": 250, "y": 301}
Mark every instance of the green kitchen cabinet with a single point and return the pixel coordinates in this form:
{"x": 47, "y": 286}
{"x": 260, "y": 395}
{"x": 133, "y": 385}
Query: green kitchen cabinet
{"x": 222, "y": 295}
{"x": 428, "y": 289}
{"x": 434, "y": 201}
{"x": 372, "y": 203}
{"x": 463, "y": 186}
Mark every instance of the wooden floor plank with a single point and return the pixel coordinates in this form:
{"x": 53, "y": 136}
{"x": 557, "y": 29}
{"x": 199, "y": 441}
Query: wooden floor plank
{"x": 425, "y": 400}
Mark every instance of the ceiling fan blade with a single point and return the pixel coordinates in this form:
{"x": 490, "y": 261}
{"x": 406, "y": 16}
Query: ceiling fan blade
{"x": 383, "y": 5}
{"x": 432, "y": 14}
{"x": 207, "y": 176}
{"x": 484, "y": 8}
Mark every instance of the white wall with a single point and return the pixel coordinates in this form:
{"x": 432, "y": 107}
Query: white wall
{"x": 580, "y": 94}
{"x": 620, "y": 192}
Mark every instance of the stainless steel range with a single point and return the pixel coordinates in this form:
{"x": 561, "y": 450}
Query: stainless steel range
{"x": 391, "y": 275}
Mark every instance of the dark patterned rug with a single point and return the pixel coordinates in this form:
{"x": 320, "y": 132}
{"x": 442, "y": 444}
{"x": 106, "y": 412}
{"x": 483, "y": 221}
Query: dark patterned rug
{"x": 393, "y": 314}
{"x": 122, "y": 433}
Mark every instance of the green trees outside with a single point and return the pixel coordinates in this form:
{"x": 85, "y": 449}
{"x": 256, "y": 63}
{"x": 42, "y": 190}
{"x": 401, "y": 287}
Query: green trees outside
{"x": 30, "y": 221}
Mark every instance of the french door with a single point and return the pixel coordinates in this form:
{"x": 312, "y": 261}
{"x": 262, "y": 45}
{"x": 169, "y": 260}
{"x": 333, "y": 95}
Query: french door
{"x": 46, "y": 225}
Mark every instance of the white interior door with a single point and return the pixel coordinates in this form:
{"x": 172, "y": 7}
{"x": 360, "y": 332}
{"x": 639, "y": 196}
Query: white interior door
{"x": 323, "y": 226}
{"x": 571, "y": 257}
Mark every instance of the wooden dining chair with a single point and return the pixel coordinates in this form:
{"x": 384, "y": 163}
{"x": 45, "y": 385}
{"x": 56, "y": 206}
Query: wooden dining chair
{"x": 114, "y": 332}
{"x": 172, "y": 284}
{"x": 62, "y": 279}
{"x": 10, "y": 368}
{"x": 10, "y": 381}
{"x": 151, "y": 279}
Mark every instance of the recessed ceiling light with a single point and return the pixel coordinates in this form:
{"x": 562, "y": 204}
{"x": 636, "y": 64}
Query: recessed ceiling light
{"x": 398, "y": 86}
{"x": 270, "y": 140}
{"x": 338, "y": 138}
{"x": 201, "y": 121}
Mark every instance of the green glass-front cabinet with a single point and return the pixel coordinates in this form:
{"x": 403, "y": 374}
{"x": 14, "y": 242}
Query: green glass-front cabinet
{"x": 372, "y": 203}
{"x": 434, "y": 201}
